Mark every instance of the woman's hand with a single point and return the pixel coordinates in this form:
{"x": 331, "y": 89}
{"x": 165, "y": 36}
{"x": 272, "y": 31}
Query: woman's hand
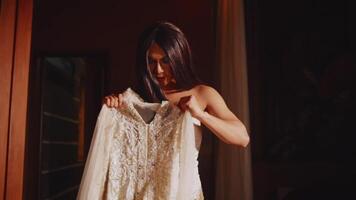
{"x": 191, "y": 104}
{"x": 113, "y": 101}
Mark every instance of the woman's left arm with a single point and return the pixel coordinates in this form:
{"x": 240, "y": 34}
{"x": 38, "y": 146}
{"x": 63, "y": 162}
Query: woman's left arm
{"x": 217, "y": 117}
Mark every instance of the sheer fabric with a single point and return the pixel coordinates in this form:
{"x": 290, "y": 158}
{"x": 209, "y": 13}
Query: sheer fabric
{"x": 143, "y": 151}
{"x": 233, "y": 168}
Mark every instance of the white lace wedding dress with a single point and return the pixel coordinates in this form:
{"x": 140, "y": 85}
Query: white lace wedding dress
{"x": 143, "y": 151}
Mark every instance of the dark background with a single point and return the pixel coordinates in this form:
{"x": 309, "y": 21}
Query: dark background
{"x": 301, "y": 68}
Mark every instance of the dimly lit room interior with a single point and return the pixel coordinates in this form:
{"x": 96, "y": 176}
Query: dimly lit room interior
{"x": 285, "y": 68}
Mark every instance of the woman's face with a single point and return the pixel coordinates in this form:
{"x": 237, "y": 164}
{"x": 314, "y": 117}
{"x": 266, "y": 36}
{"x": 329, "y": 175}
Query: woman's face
{"x": 159, "y": 66}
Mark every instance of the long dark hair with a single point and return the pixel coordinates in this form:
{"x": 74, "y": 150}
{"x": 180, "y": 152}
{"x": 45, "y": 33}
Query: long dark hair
{"x": 174, "y": 43}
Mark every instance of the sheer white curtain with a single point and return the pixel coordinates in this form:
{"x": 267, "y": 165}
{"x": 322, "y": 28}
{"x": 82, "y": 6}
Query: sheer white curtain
{"x": 233, "y": 175}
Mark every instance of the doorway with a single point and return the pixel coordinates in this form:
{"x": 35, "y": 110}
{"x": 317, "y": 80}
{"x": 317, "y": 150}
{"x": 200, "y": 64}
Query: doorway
{"x": 65, "y": 98}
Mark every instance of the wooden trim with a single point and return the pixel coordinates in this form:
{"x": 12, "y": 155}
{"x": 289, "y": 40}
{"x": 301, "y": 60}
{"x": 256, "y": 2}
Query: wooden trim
{"x": 7, "y": 33}
{"x": 18, "y": 111}
{"x": 81, "y": 136}
{"x": 15, "y": 30}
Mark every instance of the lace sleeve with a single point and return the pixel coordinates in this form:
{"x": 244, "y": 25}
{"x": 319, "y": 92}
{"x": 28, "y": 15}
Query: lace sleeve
{"x": 94, "y": 175}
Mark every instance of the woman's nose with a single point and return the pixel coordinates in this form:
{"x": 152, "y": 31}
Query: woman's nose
{"x": 159, "y": 68}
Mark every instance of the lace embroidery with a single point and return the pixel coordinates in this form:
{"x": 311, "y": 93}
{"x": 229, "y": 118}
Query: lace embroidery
{"x": 144, "y": 161}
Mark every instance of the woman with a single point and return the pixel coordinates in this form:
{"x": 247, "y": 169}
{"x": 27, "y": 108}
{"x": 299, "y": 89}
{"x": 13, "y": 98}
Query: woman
{"x": 164, "y": 66}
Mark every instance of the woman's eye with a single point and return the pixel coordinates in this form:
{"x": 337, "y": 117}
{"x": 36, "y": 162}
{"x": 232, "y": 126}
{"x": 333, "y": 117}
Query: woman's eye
{"x": 150, "y": 61}
{"x": 165, "y": 60}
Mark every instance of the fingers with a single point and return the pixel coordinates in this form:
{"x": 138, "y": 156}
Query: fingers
{"x": 183, "y": 103}
{"x": 107, "y": 101}
{"x": 113, "y": 101}
{"x": 120, "y": 100}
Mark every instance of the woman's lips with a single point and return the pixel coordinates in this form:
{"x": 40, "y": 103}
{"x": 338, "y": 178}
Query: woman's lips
{"x": 160, "y": 78}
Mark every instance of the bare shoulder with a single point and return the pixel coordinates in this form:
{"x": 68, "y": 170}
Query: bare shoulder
{"x": 215, "y": 104}
{"x": 207, "y": 95}
{"x": 207, "y": 92}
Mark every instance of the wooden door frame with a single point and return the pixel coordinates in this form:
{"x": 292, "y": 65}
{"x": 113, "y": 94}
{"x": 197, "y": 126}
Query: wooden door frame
{"x": 15, "y": 43}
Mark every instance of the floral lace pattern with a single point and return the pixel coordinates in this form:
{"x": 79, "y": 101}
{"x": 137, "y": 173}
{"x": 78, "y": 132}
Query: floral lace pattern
{"x": 145, "y": 155}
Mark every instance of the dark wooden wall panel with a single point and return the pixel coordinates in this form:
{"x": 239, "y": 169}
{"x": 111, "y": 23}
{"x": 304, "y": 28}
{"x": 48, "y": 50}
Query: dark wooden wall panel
{"x": 59, "y": 102}
{"x": 54, "y": 147}
{"x": 58, "y": 155}
{"x": 60, "y": 168}
{"x": 59, "y": 130}
{"x": 55, "y": 183}
{"x": 71, "y": 195}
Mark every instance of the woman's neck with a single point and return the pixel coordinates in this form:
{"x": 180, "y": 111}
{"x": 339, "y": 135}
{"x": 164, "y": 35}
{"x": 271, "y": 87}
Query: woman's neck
{"x": 170, "y": 88}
